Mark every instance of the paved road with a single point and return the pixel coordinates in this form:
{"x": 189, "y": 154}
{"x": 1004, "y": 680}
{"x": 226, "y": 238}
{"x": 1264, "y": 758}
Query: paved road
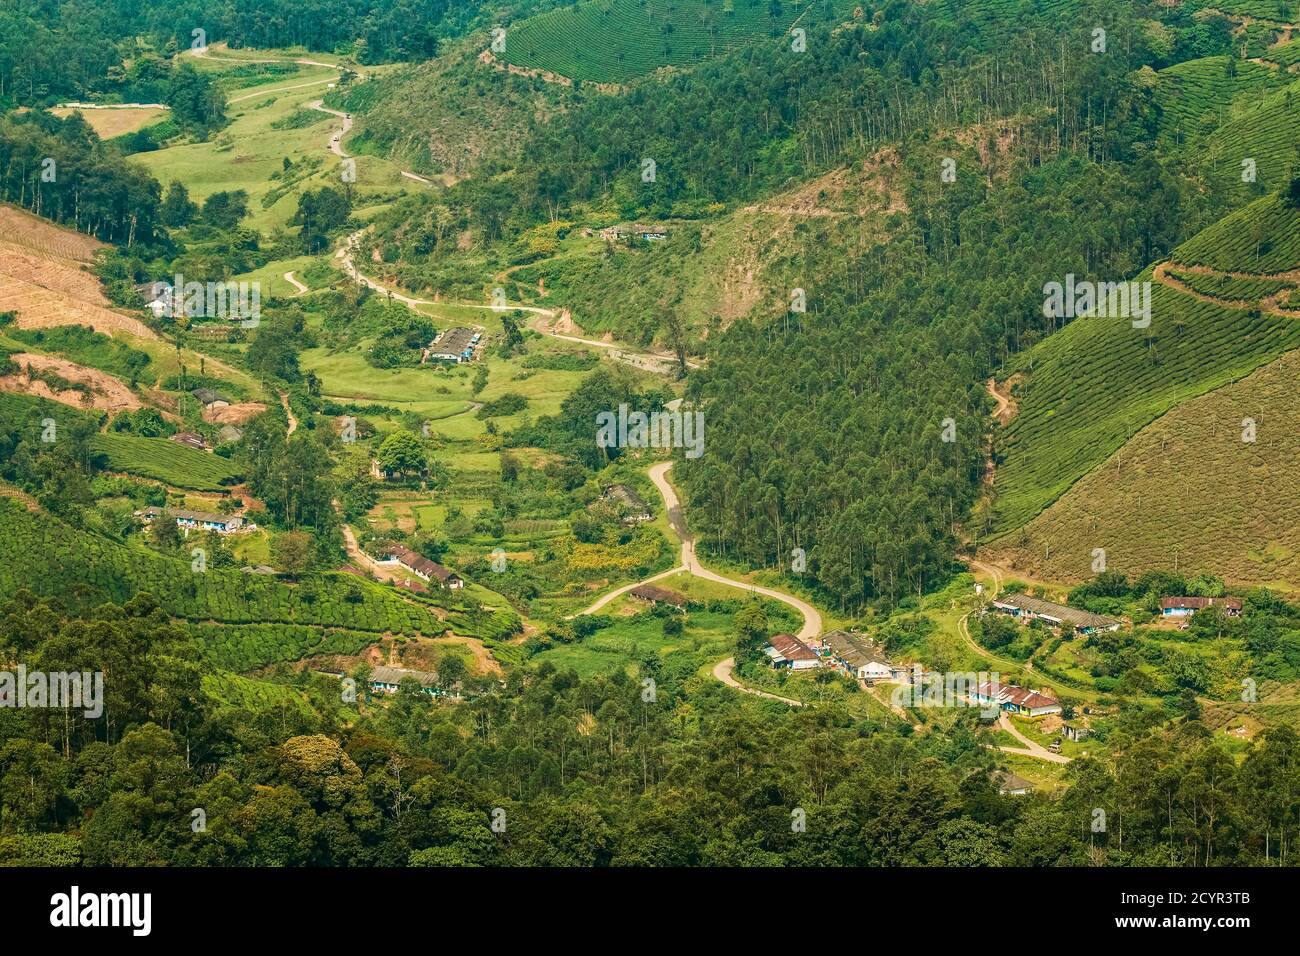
{"x": 288, "y": 412}
{"x": 336, "y": 141}
{"x": 812, "y": 620}
{"x": 288, "y": 277}
{"x": 722, "y": 671}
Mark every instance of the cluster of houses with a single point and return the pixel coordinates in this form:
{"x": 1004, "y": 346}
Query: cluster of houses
{"x": 854, "y": 654}
{"x": 454, "y": 345}
{"x": 1187, "y": 606}
{"x": 1023, "y": 607}
{"x": 198, "y": 520}
{"x": 1015, "y": 700}
{"x": 387, "y": 680}
{"x": 391, "y": 553}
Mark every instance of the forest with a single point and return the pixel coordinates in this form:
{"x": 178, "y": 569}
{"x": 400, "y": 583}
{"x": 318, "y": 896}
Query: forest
{"x": 509, "y": 778}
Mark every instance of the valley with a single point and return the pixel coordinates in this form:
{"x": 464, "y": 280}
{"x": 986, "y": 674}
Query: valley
{"x": 312, "y": 332}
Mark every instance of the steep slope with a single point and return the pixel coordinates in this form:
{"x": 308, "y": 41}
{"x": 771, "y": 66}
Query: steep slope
{"x": 45, "y": 277}
{"x": 1220, "y": 310}
{"x": 1188, "y": 492}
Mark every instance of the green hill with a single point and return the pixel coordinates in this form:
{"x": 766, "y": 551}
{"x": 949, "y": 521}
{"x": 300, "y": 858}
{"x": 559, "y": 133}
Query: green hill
{"x": 85, "y": 570}
{"x": 612, "y": 41}
{"x": 1096, "y": 383}
{"x": 1189, "y": 469}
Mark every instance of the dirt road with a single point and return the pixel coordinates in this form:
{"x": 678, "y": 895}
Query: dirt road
{"x": 812, "y": 620}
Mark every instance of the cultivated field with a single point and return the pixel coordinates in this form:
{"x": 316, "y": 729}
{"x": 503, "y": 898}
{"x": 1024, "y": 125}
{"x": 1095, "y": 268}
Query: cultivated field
{"x": 1190, "y": 469}
{"x": 117, "y": 122}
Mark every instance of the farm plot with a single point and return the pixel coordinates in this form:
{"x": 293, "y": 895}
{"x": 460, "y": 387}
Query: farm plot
{"x": 166, "y": 461}
{"x": 40, "y": 308}
{"x": 83, "y": 569}
{"x": 69, "y": 276}
{"x": 22, "y": 228}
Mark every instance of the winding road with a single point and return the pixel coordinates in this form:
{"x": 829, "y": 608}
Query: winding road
{"x": 812, "y": 620}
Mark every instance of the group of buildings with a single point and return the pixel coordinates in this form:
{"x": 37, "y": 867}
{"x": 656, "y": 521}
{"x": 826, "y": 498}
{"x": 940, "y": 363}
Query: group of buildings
{"x": 454, "y": 345}
{"x": 198, "y": 520}
{"x": 854, "y": 654}
{"x": 1022, "y": 607}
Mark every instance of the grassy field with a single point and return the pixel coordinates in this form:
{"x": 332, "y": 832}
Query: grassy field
{"x": 270, "y": 123}
{"x": 117, "y": 122}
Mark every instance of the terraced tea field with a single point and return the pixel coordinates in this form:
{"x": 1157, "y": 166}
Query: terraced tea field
{"x": 165, "y": 461}
{"x": 1262, "y": 238}
{"x": 1263, "y": 130}
{"x": 1201, "y": 91}
{"x": 612, "y": 41}
{"x": 1189, "y": 468}
{"x": 1097, "y": 382}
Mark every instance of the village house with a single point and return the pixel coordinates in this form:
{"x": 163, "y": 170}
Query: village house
{"x": 656, "y": 595}
{"x": 199, "y": 520}
{"x": 228, "y": 434}
{"x": 786, "y": 650}
{"x": 1187, "y": 606}
{"x": 631, "y": 507}
{"x": 1011, "y": 784}
{"x": 189, "y": 440}
{"x": 209, "y": 398}
{"x": 1075, "y": 732}
{"x": 1015, "y": 700}
{"x": 863, "y": 658}
{"x": 1025, "y": 608}
{"x": 453, "y": 345}
{"x": 387, "y": 680}
{"x": 420, "y": 566}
